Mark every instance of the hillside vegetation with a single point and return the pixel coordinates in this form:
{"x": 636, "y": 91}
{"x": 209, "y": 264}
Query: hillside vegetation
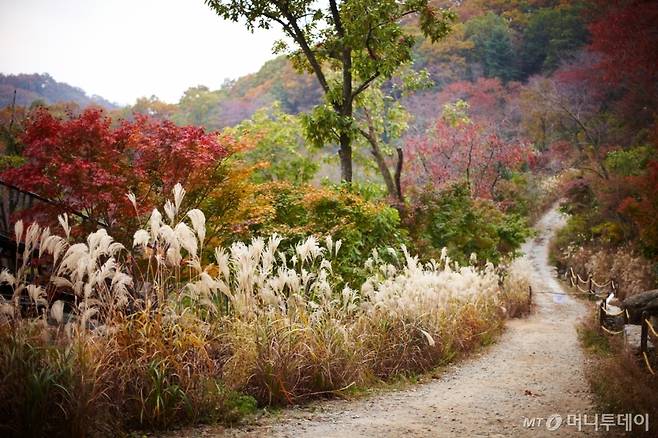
{"x": 42, "y": 88}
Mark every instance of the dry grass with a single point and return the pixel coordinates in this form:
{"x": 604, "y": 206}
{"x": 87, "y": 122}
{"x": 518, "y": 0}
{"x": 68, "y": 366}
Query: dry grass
{"x": 515, "y": 293}
{"x": 632, "y": 272}
{"x": 159, "y": 335}
{"x": 618, "y": 377}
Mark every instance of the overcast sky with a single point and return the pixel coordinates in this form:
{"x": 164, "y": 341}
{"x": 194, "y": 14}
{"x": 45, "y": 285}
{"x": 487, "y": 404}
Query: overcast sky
{"x": 124, "y": 49}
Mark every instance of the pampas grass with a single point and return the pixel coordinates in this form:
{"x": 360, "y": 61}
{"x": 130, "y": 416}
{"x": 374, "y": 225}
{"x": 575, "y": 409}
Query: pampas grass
{"x": 167, "y": 335}
{"x": 515, "y": 293}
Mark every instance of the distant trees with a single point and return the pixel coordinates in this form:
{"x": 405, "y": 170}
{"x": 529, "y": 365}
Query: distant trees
{"x": 458, "y": 148}
{"x": 552, "y": 36}
{"x": 31, "y": 87}
{"x": 491, "y": 37}
{"x": 278, "y": 146}
{"x": 624, "y": 37}
{"x": 196, "y": 106}
{"x": 359, "y": 40}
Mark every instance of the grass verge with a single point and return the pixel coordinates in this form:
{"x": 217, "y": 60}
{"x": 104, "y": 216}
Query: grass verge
{"x": 617, "y": 376}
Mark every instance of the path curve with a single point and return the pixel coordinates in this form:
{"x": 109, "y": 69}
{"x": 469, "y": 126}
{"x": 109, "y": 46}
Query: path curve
{"x": 534, "y": 370}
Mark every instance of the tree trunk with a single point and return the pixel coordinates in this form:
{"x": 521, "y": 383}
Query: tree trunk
{"x": 383, "y": 168}
{"x": 345, "y": 108}
{"x": 393, "y": 186}
{"x": 398, "y": 174}
{"x": 345, "y": 154}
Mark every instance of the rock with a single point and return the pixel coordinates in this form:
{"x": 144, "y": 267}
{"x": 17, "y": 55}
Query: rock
{"x": 642, "y": 302}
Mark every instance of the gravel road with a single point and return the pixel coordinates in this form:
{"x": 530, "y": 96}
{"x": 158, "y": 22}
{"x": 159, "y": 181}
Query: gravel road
{"x": 534, "y": 370}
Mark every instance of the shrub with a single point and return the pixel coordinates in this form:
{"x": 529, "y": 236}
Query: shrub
{"x": 465, "y": 226}
{"x": 360, "y": 224}
{"x": 619, "y": 380}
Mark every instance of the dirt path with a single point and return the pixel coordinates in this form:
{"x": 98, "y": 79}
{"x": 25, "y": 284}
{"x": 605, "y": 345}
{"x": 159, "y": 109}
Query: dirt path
{"x": 535, "y": 370}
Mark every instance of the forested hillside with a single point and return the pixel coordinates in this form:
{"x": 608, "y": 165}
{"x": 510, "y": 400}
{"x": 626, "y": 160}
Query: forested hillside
{"x": 507, "y": 40}
{"x": 42, "y": 88}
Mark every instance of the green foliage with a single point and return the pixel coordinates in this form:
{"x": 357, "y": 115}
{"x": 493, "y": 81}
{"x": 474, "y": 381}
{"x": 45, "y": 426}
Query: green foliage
{"x": 609, "y": 232}
{"x": 323, "y": 125}
{"x": 452, "y": 219}
{"x": 628, "y": 162}
{"x": 278, "y": 141}
{"x": 196, "y": 105}
{"x": 340, "y": 212}
{"x": 356, "y": 41}
{"x": 493, "y": 49}
{"x": 552, "y": 35}
{"x": 577, "y": 231}
{"x": 594, "y": 340}
{"x": 456, "y": 113}
{"x": 11, "y": 161}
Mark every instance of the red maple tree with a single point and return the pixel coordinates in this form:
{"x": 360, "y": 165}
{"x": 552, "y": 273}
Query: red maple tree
{"x": 85, "y": 164}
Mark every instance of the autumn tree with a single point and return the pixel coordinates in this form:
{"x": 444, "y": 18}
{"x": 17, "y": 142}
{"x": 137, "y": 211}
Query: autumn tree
{"x": 360, "y": 40}
{"x": 624, "y": 37}
{"x": 569, "y": 107}
{"x": 86, "y": 165}
{"x": 458, "y": 148}
{"x": 278, "y": 148}
{"x": 154, "y": 107}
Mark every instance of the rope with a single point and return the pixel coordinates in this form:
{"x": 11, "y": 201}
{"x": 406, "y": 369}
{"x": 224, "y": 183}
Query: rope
{"x": 621, "y": 312}
{"x": 610, "y": 331}
{"x": 607, "y": 283}
{"x": 646, "y": 360}
{"x": 560, "y": 293}
{"x": 578, "y": 279}
{"x": 653, "y": 331}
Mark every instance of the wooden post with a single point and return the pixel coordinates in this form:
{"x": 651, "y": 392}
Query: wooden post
{"x": 529, "y": 295}
{"x": 601, "y": 313}
{"x": 590, "y": 288}
{"x": 645, "y": 333}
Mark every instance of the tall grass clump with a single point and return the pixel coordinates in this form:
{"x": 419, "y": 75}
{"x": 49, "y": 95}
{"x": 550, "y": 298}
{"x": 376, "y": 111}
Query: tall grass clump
{"x": 171, "y": 332}
{"x": 515, "y": 293}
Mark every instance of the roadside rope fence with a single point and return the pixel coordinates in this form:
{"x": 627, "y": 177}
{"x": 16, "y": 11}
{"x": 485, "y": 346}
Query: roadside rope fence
{"x": 593, "y": 287}
{"x": 589, "y": 286}
{"x": 647, "y": 330}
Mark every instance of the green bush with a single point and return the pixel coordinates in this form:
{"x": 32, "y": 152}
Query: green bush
{"x": 452, "y": 219}
{"x": 343, "y": 214}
